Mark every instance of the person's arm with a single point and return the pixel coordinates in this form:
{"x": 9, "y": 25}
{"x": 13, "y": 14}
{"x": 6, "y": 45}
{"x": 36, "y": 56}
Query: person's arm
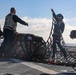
{"x": 54, "y": 15}
{"x": 62, "y": 27}
{"x": 17, "y": 19}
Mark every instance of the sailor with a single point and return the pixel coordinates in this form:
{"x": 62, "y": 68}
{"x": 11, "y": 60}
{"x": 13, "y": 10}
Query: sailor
{"x": 9, "y": 30}
{"x": 57, "y": 33}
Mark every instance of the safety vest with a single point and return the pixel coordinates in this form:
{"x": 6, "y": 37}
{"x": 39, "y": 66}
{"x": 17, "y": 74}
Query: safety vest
{"x": 9, "y": 23}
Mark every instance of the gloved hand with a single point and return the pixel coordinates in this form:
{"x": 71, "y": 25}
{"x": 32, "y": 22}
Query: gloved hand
{"x": 52, "y": 10}
{"x": 16, "y": 33}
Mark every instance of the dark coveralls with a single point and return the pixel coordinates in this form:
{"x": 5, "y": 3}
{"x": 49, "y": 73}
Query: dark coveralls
{"x": 57, "y": 32}
{"x": 8, "y": 35}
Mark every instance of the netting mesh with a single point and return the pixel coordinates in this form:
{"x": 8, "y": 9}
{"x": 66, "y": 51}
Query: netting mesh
{"x": 28, "y": 46}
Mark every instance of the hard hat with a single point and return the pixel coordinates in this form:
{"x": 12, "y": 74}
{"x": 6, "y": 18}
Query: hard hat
{"x": 60, "y": 15}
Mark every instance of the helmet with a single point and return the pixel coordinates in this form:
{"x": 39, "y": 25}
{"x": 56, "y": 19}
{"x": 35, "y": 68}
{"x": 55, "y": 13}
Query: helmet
{"x": 60, "y": 15}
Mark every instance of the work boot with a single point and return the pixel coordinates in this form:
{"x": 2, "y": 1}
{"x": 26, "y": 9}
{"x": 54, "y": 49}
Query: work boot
{"x": 52, "y": 61}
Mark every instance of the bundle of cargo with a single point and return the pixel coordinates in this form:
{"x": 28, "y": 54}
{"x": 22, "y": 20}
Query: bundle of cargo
{"x": 28, "y": 47}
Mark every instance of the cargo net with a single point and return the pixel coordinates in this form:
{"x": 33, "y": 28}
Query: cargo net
{"x": 29, "y": 47}
{"x": 34, "y": 48}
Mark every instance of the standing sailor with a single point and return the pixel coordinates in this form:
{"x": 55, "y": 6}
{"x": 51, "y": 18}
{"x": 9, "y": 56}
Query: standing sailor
{"x": 9, "y": 30}
{"x": 57, "y": 33}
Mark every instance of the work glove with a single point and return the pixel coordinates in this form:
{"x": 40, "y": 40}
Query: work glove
{"x": 16, "y": 33}
{"x": 52, "y": 10}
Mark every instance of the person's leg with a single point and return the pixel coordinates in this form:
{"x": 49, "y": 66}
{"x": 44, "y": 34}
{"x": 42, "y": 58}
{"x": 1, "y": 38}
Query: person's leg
{"x": 8, "y": 42}
{"x": 62, "y": 49}
{"x": 54, "y": 49}
{"x": 2, "y": 48}
{"x": 3, "y": 45}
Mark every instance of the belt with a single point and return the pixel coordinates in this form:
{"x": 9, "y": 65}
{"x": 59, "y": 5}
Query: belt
{"x": 6, "y": 27}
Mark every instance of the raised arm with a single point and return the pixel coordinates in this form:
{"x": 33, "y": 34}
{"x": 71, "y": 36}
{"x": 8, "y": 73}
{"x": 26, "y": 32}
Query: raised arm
{"x": 54, "y": 15}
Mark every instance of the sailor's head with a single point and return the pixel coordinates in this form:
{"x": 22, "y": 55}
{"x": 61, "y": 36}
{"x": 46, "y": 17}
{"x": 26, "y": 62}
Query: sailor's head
{"x": 59, "y": 16}
{"x": 13, "y": 10}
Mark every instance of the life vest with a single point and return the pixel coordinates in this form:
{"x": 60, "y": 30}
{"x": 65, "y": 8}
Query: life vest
{"x": 9, "y": 23}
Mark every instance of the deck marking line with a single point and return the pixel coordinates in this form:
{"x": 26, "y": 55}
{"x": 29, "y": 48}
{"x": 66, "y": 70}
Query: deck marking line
{"x": 37, "y": 67}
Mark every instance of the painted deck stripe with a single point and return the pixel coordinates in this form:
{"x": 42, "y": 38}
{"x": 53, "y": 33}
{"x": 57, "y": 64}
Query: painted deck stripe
{"x": 37, "y": 67}
{"x": 13, "y": 65}
{"x": 3, "y": 63}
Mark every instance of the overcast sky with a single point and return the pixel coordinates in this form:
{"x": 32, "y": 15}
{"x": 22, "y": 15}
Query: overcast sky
{"x": 39, "y": 17}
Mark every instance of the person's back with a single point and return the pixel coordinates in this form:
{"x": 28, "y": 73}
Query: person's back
{"x": 9, "y": 23}
{"x": 12, "y": 19}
